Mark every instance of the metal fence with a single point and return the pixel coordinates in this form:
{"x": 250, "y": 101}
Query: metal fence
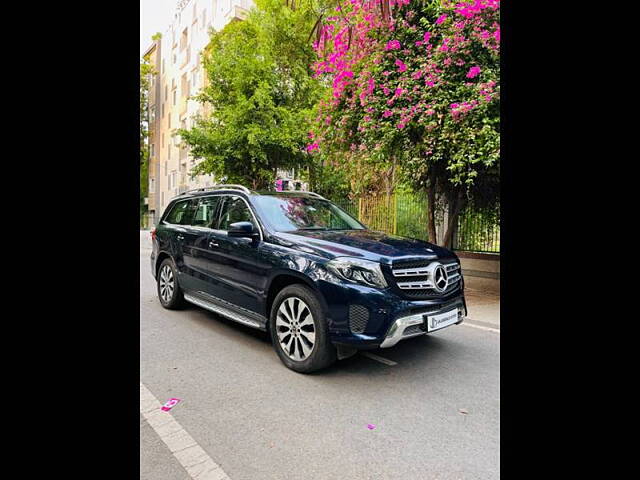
{"x": 405, "y": 214}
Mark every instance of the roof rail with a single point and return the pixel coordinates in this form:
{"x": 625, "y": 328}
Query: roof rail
{"x": 316, "y": 195}
{"x": 219, "y": 187}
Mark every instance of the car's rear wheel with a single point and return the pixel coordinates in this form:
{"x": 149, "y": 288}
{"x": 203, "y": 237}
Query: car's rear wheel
{"x": 299, "y": 330}
{"x": 169, "y": 292}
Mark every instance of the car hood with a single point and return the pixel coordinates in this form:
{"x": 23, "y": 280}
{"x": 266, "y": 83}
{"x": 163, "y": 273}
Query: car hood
{"x": 367, "y": 244}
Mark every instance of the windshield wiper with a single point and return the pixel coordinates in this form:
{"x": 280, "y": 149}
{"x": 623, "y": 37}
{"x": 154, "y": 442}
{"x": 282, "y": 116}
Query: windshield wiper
{"x": 313, "y": 228}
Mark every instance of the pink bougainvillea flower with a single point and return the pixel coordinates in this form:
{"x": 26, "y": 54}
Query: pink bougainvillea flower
{"x": 401, "y": 66}
{"x": 427, "y": 36}
{"x": 312, "y": 147}
{"x": 473, "y": 72}
{"x": 441, "y": 19}
{"x": 419, "y": 43}
{"x": 387, "y": 113}
{"x": 398, "y": 92}
{"x": 392, "y": 45}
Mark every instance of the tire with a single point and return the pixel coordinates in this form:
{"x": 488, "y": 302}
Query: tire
{"x": 170, "y": 296}
{"x": 297, "y": 309}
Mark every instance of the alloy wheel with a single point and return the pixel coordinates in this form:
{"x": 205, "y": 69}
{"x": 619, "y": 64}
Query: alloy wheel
{"x": 296, "y": 329}
{"x": 167, "y": 284}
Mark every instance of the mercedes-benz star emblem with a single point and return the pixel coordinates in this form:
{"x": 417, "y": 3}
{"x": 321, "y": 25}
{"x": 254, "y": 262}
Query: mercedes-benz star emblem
{"x": 440, "y": 279}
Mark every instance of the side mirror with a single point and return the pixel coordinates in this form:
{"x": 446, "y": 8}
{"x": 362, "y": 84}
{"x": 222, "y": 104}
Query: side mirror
{"x": 242, "y": 229}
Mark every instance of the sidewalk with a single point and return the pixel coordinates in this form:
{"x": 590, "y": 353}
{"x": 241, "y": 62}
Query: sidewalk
{"x": 145, "y": 239}
{"x": 483, "y": 307}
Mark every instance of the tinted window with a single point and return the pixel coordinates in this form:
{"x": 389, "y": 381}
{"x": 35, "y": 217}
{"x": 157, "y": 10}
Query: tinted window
{"x": 287, "y": 213}
{"x": 182, "y": 212}
{"x": 205, "y": 212}
{"x": 234, "y": 209}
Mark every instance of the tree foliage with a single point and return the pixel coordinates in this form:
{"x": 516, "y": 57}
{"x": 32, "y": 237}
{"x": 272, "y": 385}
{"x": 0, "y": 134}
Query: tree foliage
{"x": 414, "y": 83}
{"x": 261, "y": 92}
{"x": 145, "y": 70}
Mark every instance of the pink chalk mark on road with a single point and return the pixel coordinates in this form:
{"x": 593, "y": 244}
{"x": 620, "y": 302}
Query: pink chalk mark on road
{"x": 172, "y": 402}
{"x": 371, "y": 426}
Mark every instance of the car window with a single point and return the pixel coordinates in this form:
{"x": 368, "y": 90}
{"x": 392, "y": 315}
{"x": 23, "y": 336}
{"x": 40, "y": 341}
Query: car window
{"x": 181, "y": 213}
{"x": 205, "y": 212}
{"x": 234, "y": 209}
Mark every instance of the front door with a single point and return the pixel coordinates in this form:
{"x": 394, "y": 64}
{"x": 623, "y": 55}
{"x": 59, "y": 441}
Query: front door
{"x": 234, "y": 273}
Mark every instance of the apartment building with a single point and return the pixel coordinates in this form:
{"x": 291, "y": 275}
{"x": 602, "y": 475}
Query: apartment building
{"x": 179, "y": 74}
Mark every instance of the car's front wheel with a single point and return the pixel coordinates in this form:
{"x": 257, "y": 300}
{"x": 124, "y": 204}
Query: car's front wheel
{"x": 169, "y": 291}
{"x": 299, "y": 330}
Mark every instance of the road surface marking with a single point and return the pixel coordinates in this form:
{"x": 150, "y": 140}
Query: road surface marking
{"x": 378, "y": 358}
{"x": 191, "y": 456}
{"x": 488, "y": 329}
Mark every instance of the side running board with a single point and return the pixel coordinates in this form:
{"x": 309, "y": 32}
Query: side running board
{"x": 227, "y": 310}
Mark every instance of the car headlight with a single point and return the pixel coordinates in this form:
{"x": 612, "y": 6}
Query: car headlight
{"x": 357, "y": 270}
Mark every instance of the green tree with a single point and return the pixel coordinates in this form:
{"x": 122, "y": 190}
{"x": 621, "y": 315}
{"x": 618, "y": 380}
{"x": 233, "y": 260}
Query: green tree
{"x": 261, "y": 92}
{"x": 417, "y": 88}
{"x": 145, "y": 70}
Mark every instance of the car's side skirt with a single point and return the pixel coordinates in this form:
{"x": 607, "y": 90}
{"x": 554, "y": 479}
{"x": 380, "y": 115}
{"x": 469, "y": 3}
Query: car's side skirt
{"x": 226, "y": 309}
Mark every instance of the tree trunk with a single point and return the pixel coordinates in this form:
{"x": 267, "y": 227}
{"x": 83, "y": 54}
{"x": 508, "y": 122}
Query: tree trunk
{"x": 454, "y": 212}
{"x": 431, "y": 213}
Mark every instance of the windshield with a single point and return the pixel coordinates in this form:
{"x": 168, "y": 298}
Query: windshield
{"x": 286, "y": 213}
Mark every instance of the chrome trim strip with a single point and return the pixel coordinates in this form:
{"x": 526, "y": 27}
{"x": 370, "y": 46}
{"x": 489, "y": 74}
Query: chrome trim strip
{"x": 406, "y": 272}
{"x": 414, "y": 285}
{"x": 396, "y": 332}
{"x": 225, "y": 312}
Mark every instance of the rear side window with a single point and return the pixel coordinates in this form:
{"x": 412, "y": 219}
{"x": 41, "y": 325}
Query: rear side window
{"x": 205, "y": 212}
{"x": 182, "y": 212}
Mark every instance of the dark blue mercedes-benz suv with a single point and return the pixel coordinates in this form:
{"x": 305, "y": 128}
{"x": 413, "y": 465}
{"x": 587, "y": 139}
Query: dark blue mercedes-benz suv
{"x": 299, "y": 267}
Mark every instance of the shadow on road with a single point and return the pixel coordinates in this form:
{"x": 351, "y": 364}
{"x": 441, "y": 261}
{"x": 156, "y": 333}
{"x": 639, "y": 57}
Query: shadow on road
{"x": 415, "y": 353}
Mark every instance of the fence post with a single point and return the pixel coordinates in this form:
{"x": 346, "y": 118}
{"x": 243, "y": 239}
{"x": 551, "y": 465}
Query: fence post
{"x": 395, "y": 214}
{"x": 360, "y": 209}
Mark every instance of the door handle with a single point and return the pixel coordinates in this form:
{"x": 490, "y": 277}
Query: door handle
{"x": 213, "y": 244}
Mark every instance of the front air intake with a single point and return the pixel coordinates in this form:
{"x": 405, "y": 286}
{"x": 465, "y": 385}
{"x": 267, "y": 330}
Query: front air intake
{"x": 358, "y": 318}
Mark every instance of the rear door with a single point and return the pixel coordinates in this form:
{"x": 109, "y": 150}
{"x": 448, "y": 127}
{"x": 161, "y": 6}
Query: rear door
{"x": 177, "y": 224}
{"x": 234, "y": 272}
{"x": 195, "y": 246}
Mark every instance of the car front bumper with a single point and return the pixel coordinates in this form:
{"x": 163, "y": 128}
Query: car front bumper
{"x": 391, "y": 318}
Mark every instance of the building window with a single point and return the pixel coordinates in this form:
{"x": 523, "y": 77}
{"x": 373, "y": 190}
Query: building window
{"x": 162, "y": 109}
{"x": 166, "y": 92}
{"x": 163, "y": 65}
{"x": 184, "y": 86}
{"x": 183, "y": 39}
{"x": 151, "y": 150}
{"x": 152, "y": 185}
{"x": 174, "y": 97}
{"x": 169, "y": 116}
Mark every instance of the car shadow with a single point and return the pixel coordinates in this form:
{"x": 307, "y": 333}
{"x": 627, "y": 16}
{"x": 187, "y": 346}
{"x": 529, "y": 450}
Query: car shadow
{"x": 418, "y": 352}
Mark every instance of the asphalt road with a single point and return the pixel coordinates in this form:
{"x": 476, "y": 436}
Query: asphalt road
{"x": 259, "y": 420}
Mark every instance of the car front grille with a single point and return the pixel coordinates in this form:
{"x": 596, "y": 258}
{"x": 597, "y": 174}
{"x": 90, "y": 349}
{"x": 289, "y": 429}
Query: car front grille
{"x": 414, "y": 278}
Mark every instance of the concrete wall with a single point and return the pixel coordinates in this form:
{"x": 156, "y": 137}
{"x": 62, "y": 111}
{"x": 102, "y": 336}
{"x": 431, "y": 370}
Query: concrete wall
{"x": 481, "y": 271}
